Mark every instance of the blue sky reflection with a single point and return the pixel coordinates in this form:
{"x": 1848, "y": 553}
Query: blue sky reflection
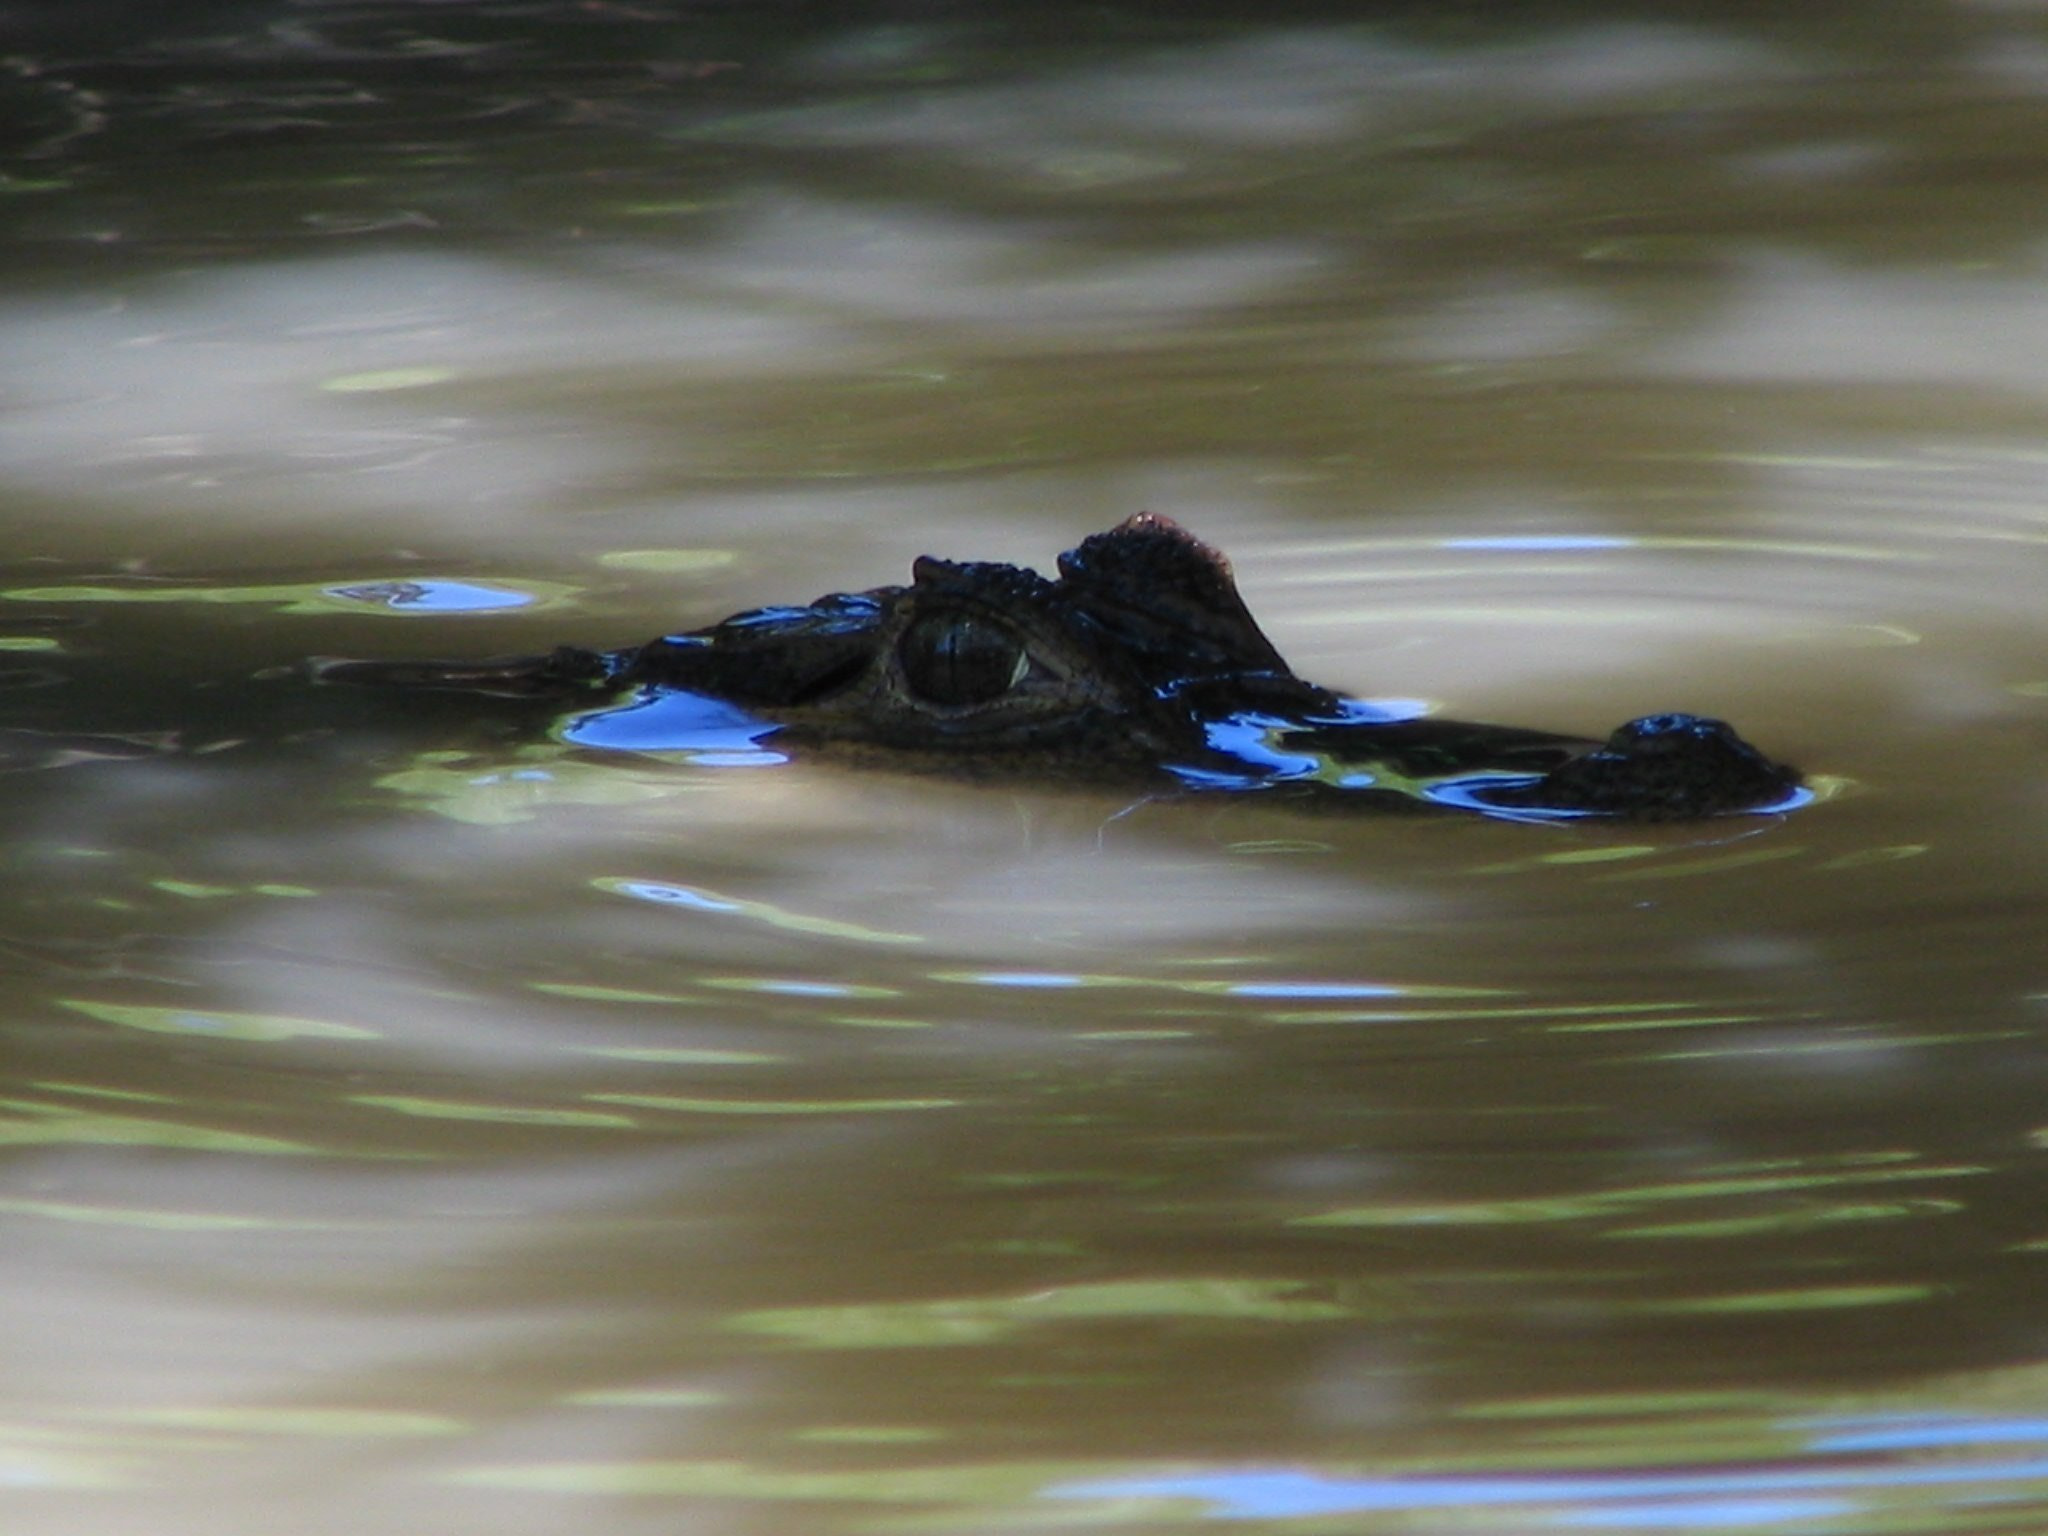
{"x": 1670, "y": 1500}
{"x": 710, "y": 732}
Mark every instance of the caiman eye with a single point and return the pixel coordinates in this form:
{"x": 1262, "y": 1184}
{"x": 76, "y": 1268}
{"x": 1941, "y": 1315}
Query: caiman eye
{"x": 952, "y": 659}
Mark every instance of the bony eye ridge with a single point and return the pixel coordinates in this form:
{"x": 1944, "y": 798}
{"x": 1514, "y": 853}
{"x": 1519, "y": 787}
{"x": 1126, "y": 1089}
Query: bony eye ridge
{"x": 956, "y": 659}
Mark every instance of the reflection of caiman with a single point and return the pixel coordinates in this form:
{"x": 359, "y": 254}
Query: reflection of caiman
{"x": 1141, "y": 659}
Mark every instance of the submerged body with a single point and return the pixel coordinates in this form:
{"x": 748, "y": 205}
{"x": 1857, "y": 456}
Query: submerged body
{"x": 1139, "y": 659}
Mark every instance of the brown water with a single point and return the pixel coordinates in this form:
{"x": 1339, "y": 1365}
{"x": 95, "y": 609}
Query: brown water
{"x": 414, "y": 1125}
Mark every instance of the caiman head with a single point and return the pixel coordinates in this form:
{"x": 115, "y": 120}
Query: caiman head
{"x": 1114, "y": 663}
{"x": 1139, "y": 657}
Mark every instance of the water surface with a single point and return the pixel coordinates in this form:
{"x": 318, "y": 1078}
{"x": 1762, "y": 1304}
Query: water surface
{"x": 419, "y": 1120}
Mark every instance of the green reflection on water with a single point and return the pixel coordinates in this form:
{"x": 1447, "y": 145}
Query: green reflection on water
{"x": 220, "y": 1025}
{"x": 1851, "y": 1040}
{"x": 1607, "y": 1202}
{"x": 345, "y": 596}
{"x": 1627, "y": 1405}
{"x": 1567, "y": 858}
{"x": 1666, "y": 1021}
{"x": 1629, "y": 1013}
{"x": 1712, "y": 864}
{"x": 503, "y": 1114}
{"x": 983, "y": 1319}
{"x": 48, "y": 1124}
{"x": 1234, "y": 987}
{"x": 1675, "y": 862}
{"x": 383, "y": 379}
{"x": 97, "y": 1091}
{"x": 1797, "y": 1219}
{"x": 593, "y": 994}
{"x": 194, "y": 891}
{"x": 767, "y": 1106}
{"x": 779, "y": 986}
{"x": 1802, "y": 1299}
{"x": 1599, "y": 855}
{"x": 506, "y": 789}
{"x": 694, "y": 898}
{"x": 681, "y": 1055}
{"x": 1863, "y": 858}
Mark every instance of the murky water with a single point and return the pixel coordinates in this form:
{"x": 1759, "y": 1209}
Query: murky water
{"x": 418, "y": 1123}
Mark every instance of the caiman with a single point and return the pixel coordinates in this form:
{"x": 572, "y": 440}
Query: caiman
{"x": 1139, "y": 662}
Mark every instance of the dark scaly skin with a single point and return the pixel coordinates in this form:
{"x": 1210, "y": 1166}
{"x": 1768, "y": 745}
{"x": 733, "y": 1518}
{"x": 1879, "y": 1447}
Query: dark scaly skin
{"x": 1139, "y": 660}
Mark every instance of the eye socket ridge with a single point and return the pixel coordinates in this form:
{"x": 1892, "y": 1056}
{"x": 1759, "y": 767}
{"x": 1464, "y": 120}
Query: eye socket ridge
{"x": 957, "y": 659}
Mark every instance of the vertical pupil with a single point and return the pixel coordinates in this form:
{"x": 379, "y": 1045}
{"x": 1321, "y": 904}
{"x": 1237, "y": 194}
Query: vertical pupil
{"x": 954, "y": 659}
